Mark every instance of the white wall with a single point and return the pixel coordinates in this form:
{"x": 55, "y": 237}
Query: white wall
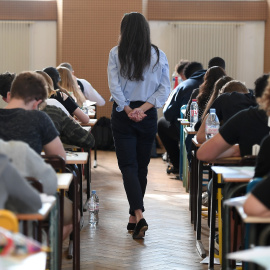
{"x": 43, "y": 45}
{"x": 250, "y": 49}
{"x": 27, "y": 45}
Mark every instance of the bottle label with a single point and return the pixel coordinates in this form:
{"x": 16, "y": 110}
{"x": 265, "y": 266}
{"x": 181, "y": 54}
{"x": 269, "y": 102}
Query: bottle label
{"x": 193, "y": 113}
{"x": 211, "y": 130}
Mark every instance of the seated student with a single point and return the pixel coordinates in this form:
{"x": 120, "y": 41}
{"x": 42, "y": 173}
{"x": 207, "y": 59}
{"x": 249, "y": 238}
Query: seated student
{"x": 67, "y": 82}
{"x": 234, "y": 97}
{"x": 89, "y": 92}
{"x": 51, "y": 91}
{"x": 70, "y": 131}
{"x": 257, "y": 202}
{"x": 6, "y": 80}
{"x": 168, "y": 126}
{"x": 5, "y": 83}
{"x": 30, "y": 164}
{"x": 20, "y": 120}
{"x": 180, "y": 69}
{"x": 63, "y": 96}
{"x": 237, "y": 136}
{"x": 203, "y": 93}
{"x": 216, "y": 92}
{"x": 16, "y": 194}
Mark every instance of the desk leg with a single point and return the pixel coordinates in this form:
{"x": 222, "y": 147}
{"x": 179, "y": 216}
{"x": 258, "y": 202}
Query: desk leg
{"x": 60, "y": 236}
{"x": 212, "y": 222}
{"x": 193, "y": 178}
{"x": 197, "y": 182}
{"x": 76, "y": 228}
{"x": 199, "y": 244}
{"x": 88, "y": 180}
{"x": 54, "y": 234}
{"x": 95, "y": 156}
{"x": 81, "y": 189}
{"x": 181, "y": 153}
{"x": 229, "y": 192}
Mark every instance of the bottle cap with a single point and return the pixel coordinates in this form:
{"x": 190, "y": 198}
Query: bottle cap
{"x": 212, "y": 110}
{"x": 194, "y": 100}
{"x": 93, "y": 192}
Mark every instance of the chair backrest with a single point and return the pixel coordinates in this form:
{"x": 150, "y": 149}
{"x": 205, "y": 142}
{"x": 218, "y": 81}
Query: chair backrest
{"x": 183, "y": 111}
{"x": 35, "y": 183}
{"x": 57, "y": 162}
{"x": 8, "y": 220}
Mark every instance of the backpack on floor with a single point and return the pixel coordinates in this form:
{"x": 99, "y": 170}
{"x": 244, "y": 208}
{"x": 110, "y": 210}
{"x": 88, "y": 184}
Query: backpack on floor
{"x": 103, "y": 134}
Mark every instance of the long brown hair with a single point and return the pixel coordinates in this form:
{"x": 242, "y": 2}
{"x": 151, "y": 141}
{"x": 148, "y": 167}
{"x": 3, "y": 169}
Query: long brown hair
{"x": 206, "y": 88}
{"x": 49, "y": 82}
{"x": 217, "y": 86}
{"x": 134, "y": 48}
{"x": 68, "y": 83}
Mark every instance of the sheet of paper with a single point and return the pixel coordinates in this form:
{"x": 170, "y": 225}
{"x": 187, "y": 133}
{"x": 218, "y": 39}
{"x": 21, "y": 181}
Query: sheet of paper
{"x": 238, "y": 201}
{"x": 206, "y": 260}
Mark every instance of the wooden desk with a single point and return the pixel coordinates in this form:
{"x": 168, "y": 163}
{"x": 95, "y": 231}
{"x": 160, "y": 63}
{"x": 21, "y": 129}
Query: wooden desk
{"x": 188, "y": 131}
{"x": 91, "y": 123}
{"x": 237, "y": 174}
{"x": 63, "y": 183}
{"x": 87, "y": 128}
{"x": 42, "y": 213}
{"x": 258, "y": 255}
{"x": 80, "y": 158}
{"x": 91, "y": 113}
{"x": 197, "y": 178}
{"x": 183, "y": 122}
{"x": 232, "y": 180}
{"x": 47, "y": 209}
{"x": 64, "y": 180}
{"x": 251, "y": 219}
{"x": 76, "y": 158}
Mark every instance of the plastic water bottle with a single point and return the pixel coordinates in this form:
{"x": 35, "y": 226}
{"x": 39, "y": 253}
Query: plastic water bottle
{"x": 211, "y": 124}
{"x": 85, "y": 108}
{"x": 194, "y": 110}
{"x": 93, "y": 207}
{"x": 175, "y": 81}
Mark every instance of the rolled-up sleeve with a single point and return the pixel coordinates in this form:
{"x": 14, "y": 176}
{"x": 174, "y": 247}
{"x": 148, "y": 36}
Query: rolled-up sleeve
{"x": 114, "y": 82}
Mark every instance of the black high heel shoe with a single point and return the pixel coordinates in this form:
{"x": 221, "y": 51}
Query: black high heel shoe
{"x": 131, "y": 226}
{"x": 140, "y": 229}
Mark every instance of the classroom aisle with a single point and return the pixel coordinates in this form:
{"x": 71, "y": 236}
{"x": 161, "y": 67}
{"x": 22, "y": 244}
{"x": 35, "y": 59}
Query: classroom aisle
{"x": 170, "y": 240}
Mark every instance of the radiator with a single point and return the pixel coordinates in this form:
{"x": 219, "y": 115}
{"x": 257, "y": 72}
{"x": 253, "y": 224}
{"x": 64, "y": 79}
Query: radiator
{"x": 15, "y": 49}
{"x": 200, "y": 41}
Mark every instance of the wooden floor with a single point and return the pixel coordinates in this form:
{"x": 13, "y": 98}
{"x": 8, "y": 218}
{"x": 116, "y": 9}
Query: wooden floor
{"x": 170, "y": 240}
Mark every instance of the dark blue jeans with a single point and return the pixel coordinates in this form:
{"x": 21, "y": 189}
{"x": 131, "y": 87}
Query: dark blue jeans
{"x": 133, "y": 143}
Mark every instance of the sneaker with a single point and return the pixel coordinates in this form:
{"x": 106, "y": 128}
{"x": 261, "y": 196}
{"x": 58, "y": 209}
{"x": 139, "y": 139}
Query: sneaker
{"x": 216, "y": 244}
{"x": 165, "y": 156}
{"x": 205, "y": 199}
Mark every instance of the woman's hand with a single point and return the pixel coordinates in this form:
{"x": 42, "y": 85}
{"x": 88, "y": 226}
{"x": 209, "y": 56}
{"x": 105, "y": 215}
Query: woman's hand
{"x": 137, "y": 115}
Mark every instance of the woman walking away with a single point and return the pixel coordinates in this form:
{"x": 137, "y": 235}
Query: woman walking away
{"x": 138, "y": 76}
